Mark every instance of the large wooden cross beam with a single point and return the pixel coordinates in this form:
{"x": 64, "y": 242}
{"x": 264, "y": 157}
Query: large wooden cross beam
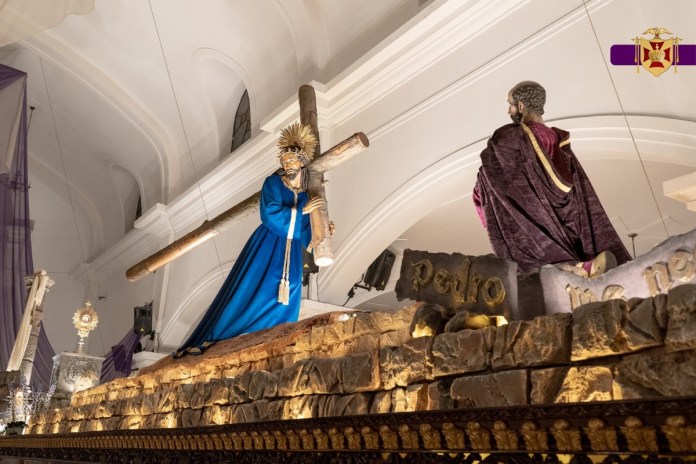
{"x": 321, "y": 239}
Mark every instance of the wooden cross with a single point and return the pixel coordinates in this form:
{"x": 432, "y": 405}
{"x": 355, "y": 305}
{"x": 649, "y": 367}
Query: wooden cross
{"x": 321, "y": 238}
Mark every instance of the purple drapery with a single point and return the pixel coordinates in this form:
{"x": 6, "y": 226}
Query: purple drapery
{"x": 118, "y": 361}
{"x": 15, "y": 236}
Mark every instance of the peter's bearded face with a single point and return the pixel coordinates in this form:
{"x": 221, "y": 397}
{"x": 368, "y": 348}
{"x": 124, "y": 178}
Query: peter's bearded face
{"x": 514, "y": 110}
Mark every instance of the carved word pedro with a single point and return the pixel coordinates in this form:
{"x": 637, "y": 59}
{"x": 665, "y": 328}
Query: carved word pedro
{"x": 659, "y": 277}
{"x": 463, "y": 286}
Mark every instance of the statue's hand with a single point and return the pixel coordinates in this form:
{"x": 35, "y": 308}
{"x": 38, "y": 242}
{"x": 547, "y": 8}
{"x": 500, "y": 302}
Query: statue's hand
{"x": 313, "y": 203}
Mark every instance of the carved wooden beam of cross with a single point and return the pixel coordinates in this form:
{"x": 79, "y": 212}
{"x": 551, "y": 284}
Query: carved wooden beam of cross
{"x": 321, "y": 239}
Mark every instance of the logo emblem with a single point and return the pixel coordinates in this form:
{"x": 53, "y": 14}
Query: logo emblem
{"x": 656, "y": 55}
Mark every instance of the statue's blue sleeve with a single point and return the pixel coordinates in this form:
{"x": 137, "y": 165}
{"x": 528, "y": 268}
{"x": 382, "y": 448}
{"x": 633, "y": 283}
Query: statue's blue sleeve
{"x": 306, "y": 231}
{"x": 277, "y": 206}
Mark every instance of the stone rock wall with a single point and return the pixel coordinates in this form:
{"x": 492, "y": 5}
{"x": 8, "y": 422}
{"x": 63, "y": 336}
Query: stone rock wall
{"x": 365, "y": 363}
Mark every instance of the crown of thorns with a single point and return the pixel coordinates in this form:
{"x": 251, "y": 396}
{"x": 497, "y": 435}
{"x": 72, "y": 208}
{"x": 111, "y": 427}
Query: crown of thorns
{"x": 298, "y": 139}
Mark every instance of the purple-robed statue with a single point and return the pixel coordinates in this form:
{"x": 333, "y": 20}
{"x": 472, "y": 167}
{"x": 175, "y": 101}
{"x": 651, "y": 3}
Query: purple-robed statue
{"x": 535, "y": 199}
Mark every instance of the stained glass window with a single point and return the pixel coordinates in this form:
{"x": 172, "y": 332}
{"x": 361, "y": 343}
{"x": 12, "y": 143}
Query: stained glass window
{"x": 242, "y": 122}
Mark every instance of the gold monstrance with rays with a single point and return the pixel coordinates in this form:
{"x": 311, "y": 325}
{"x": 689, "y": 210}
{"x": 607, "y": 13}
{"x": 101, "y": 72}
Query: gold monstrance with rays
{"x": 85, "y": 320}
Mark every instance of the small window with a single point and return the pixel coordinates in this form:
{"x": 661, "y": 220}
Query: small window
{"x": 242, "y": 123}
{"x": 139, "y": 208}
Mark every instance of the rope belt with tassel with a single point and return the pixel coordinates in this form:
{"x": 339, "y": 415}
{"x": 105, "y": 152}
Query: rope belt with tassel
{"x": 284, "y": 287}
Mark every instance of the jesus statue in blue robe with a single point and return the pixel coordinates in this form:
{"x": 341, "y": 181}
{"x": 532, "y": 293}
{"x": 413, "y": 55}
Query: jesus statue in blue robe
{"x": 264, "y": 287}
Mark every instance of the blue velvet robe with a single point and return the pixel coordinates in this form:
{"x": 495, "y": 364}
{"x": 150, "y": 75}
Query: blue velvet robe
{"x": 248, "y": 300}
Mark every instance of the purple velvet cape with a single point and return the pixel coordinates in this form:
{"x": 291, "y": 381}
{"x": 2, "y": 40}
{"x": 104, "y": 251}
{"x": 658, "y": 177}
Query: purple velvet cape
{"x": 536, "y": 215}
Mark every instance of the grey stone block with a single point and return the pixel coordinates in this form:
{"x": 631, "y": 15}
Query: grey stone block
{"x": 546, "y": 383}
{"x": 462, "y": 352}
{"x": 656, "y": 374}
{"x": 500, "y": 389}
{"x": 406, "y": 364}
{"x": 541, "y": 341}
{"x": 681, "y": 318}
{"x": 586, "y": 383}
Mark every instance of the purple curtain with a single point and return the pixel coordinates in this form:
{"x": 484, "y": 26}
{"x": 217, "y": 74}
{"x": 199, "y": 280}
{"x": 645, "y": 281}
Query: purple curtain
{"x": 118, "y": 361}
{"x": 15, "y": 238}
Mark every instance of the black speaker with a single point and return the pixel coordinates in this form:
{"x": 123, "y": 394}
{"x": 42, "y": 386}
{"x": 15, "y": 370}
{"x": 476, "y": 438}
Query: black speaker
{"x": 308, "y": 266}
{"x": 377, "y": 274}
{"x": 142, "y": 319}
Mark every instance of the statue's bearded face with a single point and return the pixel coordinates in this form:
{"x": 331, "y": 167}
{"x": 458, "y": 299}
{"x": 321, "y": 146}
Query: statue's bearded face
{"x": 291, "y": 164}
{"x": 514, "y": 110}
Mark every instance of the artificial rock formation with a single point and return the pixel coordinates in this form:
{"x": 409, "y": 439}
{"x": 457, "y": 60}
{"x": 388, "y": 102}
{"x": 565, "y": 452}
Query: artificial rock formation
{"x": 361, "y": 363}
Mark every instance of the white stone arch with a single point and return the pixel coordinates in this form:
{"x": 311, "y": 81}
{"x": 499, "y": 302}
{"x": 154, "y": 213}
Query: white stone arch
{"x": 397, "y": 212}
{"x": 608, "y": 137}
{"x": 211, "y": 66}
{"x": 101, "y": 84}
{"x": 129, "y": 191}
{"x": 56, "y": 182}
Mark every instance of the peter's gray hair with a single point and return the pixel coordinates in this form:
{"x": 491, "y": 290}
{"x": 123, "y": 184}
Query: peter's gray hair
{"x": 532, "y": 94}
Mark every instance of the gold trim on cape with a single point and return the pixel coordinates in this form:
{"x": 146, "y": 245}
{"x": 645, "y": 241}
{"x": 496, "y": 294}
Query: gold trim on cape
{"x": 544, "y": 161}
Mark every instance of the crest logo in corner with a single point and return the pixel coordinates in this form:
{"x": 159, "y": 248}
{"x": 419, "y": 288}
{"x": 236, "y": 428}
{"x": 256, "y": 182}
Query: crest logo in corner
{"x": 656, "y": 54}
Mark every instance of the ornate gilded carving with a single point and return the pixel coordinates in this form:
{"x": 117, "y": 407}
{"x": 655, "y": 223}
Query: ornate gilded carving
{"x": 293, "y": 440}
{"x": 479, "y": 437}
{"x": 505, "y": 439}
{"x": 227, "y": 441}
{"x": 353, "y": 438}
{"x": 535, "y": 438}
{"x": 370, "y": 437}
{"x": 258, "y": 440}
{"x": 680, "y": 436}
{"x": 247, "y": 441}
{"x": 409, "y": 438}
{"x": 639, "y": 437}
{"x": 567, "y": 437}
{"x": 321, "y": 438}
{"x": 217, "y": 442}
{"x": 307, "y": 439}
{"x": 390, "y": 440}
{"x": 430, "y": 436}
{"x": 454, "y": 436}
{"x": 268, "y": 440}
{"x": 280, "y": 440}
{"x": 337, "y": 439}
{"x": 602, "y": 438}
{"x": 236, "y": 441}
